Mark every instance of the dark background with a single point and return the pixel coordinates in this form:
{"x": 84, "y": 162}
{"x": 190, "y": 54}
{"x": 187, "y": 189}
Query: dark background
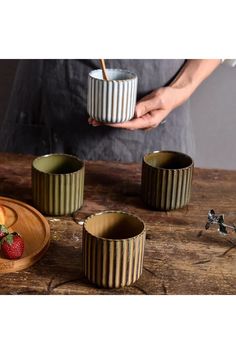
{"x": 7, "y": 73}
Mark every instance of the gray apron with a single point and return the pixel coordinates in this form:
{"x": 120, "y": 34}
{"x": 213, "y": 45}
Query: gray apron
{"x": 47, "y": 112}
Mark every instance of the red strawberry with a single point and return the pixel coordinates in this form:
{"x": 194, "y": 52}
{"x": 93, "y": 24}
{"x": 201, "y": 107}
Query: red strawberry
{"x": 3, "y": 231}
{"x": 12, "y": 246}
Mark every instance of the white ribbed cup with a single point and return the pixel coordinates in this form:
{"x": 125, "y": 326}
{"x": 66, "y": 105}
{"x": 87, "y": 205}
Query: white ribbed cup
{"x": 112, "y": 101}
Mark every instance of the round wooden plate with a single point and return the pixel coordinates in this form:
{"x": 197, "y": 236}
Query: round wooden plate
{"x": 34, "y": 229}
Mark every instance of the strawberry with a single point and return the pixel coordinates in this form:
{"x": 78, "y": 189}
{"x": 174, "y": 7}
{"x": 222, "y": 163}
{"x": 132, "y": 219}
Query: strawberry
{"x": 3, "y": 231}
{"x": 12, "y": 246}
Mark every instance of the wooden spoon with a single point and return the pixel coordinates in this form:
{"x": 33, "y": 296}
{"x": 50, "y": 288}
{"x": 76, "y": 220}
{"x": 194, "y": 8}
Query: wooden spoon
{"x": 104, "y": 70}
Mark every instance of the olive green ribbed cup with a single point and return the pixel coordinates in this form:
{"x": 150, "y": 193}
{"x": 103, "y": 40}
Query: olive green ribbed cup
{"x": 113, "y": 248}
{"x": 166, "y": 180}
{"x": 57, "y": 184}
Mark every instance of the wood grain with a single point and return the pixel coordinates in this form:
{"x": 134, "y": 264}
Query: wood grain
{"x": 104, "y": 70}
{"x": 180, "y": 256}
{"x": 33, "y": 228}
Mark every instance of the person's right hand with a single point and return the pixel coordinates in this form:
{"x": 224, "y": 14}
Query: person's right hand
{"x": 151, "y": 110}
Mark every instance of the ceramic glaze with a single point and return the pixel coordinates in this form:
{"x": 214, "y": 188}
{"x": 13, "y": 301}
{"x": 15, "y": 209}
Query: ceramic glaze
{"x": 113, "y": 248}
{"x": 113, "y": 100}
{"x": 166, "y": 180}
{"x": 57, "y": 184}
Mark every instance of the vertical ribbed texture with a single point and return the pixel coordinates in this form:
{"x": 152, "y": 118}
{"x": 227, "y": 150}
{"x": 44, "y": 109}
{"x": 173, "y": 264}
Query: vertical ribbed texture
{"x": 164, "y": 189}
{"x": 111, "y": 101}
{"x": 113, "y": 263}
{"x": 58, "y": 194}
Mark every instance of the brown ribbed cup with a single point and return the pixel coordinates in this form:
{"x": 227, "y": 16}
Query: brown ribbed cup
{"x": 113, "y": 248}
{"x": 57, "y": 184}
{"x": 166, "y": 180}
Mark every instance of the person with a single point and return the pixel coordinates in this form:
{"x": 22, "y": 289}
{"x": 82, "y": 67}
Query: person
{"x": 47, "y": 109}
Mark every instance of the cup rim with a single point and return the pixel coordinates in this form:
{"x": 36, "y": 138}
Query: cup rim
{"x": 117, "y": 212}
{"x": 57, "y": 154}
{"x": 110, "y": 69}
{"x": 168, "y": 151}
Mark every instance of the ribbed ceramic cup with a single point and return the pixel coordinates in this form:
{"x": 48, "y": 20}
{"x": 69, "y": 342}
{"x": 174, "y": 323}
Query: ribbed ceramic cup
{"x": 57, "y": 184}
{"x": 166, "y": 179}
{"x": 113, "y": 100}
{"x": 113, "y": 248}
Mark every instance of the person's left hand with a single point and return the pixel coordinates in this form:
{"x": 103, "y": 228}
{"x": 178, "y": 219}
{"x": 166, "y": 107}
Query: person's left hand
{"x": 151, "y": 110}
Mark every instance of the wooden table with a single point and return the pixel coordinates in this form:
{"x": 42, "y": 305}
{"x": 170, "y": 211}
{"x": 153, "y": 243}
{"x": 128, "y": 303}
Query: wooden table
{"x": 181, "y": 257}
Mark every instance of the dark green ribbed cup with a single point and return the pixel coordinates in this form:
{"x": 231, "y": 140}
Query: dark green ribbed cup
{"x": 166, "y": 180}
{"x": 57, "y": 184}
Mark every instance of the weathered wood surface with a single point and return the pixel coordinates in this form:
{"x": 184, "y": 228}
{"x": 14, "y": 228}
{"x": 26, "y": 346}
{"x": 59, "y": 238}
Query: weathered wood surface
{"x": 180, "y": 256}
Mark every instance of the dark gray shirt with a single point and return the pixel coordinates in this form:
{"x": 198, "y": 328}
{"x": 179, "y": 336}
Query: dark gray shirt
{"x": 47, "y": 112}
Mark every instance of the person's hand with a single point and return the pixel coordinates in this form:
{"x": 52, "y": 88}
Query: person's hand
{"x": 151, "y": 110}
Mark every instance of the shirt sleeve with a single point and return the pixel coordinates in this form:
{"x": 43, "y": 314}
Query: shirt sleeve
{"x": 229, "y": 62}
